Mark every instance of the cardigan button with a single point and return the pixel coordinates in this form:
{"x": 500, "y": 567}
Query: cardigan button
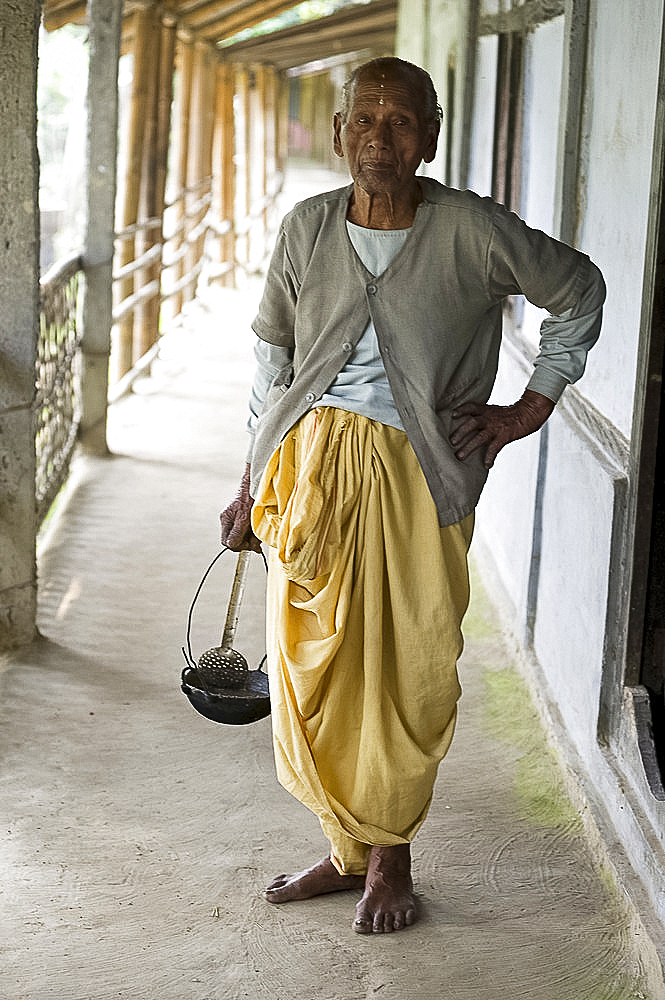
{"x": 310, "y": 397}
{"x": 347, "y": 347}
{"x": 371, "y": 289}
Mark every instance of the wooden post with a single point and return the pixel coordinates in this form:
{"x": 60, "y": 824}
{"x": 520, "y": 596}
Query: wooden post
{"x": 105, "y": 26}
{"x": 258, "y": 160}
{"x": 224, "y": 167}
{"x": 282, "y": 126}
{"x": 321, "y": 128}
{"x": 132, "y": 175}
{"x": 270, "y": 158}
{"x": 148, "y": 236}
{"x": 185, "y": 60}
{"x": 243, "y": 192}
{"x": 154, "y": 180}
{"x": 199, "y": 165}
{"x": 307, "y": 111}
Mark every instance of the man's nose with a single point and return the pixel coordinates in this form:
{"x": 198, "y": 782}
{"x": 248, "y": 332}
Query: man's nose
{"x": 381, "y": 136}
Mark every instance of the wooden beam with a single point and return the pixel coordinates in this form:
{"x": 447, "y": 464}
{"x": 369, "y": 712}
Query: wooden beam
{"x": 284, "y": 57}
{"x": 371, "y": 26}
{"x": 249, "y": 15}
{"x": 56, "y": 15}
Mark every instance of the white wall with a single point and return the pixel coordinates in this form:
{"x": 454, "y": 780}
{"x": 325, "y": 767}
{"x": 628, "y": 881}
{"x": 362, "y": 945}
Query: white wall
{"x": 619, "y": 123}
{"x": 506, "y": 511}
{"x": 482, "y": 128}
{"x": 542, "y": 101}
{"x": 578, "y": 507}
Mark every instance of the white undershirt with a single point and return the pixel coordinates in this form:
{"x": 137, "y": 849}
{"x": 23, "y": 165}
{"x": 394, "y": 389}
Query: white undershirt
{"x": 362, "y": 385}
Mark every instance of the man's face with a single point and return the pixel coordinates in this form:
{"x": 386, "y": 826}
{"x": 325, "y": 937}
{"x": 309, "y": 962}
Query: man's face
{"x": 383, "y": 137}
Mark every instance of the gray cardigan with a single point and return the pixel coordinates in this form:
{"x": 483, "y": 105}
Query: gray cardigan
{"x": 437, "y": 314}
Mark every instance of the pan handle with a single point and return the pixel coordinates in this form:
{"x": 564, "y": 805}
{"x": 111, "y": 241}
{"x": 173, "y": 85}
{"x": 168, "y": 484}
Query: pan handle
{"x": 235, "y": 600}
{"x": 187, "y": 650}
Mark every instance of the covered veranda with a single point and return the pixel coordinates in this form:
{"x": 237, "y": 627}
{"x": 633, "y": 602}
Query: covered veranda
{"x": 137, "y": 836}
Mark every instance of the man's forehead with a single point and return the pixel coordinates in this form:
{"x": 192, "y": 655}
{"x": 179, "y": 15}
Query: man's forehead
{"x": 373, "y": 85}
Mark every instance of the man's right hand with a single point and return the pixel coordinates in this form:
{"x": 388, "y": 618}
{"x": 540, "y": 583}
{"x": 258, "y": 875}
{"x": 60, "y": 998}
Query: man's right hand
{"x": 235, "y": 520}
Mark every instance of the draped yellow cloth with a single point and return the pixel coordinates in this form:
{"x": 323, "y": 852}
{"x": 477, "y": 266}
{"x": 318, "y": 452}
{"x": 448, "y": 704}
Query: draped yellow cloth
{"x": 366, "y": 594}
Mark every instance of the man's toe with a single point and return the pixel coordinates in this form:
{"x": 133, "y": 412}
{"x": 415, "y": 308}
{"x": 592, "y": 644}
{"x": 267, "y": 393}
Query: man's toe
{"x": 363, "y": 924}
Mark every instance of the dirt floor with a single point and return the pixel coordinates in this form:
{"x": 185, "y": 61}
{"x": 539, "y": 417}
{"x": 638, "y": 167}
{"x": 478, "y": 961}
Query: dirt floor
{"x": 136, "y": 836}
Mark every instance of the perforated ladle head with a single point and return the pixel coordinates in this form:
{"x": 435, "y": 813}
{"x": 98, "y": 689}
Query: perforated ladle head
{"x": 222, "y": 666}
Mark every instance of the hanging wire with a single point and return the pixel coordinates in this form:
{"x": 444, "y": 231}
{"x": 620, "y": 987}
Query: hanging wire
{"x": 187, "y": 653}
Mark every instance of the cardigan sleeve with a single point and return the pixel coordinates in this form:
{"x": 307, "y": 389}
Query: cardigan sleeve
{"x": 556, "y": 277}
{"x": 275, "y": 321}
{"x": 566, "y": 339}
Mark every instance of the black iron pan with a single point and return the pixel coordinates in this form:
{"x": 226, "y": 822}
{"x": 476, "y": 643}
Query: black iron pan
{"x": 220, "y": 686}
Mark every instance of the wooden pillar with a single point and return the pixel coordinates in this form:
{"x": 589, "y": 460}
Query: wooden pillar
{"x": 164, "y": 110}
{"x": 282, "y": 126}
{"x": 199, "y": 164}
{"x": 270, "y": 144}
{"x": 258, "y": 161}
{"x": 147, "y": 237}
{"x": 272, "y": 116}
{"x": 154, "y": 178}
{"x": 307, "y": 110}
{"x": 141, "y": 72}
{"x": 105, "y": 26}
{"x": 185, "y": 61}
{"x": 321, "y": 127}
{"x": 243, "y": 192}
{"x": 19, "y": 307}
{"x": 224, "y": 167}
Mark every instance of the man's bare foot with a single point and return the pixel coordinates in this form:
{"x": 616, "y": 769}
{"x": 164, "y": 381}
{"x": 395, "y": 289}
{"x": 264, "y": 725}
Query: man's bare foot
{"x": 388, "y": 903}
{"x": 315, "y": 881}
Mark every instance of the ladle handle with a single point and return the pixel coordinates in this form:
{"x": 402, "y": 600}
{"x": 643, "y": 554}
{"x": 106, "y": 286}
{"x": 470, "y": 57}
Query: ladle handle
{"x": 235, "y": 600}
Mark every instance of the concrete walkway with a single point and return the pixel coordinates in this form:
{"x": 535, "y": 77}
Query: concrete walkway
{"x": 136, "y": 837}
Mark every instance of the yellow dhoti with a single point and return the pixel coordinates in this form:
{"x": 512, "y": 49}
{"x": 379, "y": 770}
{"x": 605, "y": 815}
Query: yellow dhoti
{"x": 366, "y": 594}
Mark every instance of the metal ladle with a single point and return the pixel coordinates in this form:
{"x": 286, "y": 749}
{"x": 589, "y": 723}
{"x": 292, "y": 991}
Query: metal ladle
{"x": 222, "y": 666}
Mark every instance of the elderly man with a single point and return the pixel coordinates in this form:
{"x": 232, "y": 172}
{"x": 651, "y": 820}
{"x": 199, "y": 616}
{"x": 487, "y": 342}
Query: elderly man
{"x": 379, "y": 333}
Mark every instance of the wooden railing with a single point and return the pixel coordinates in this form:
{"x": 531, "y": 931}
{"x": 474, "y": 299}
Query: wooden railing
{"x": 191, "y": 241}
{"x": 168, "y": 269}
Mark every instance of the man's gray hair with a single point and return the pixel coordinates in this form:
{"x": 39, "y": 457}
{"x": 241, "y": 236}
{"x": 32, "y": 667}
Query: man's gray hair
{"x": 429, "y": 112}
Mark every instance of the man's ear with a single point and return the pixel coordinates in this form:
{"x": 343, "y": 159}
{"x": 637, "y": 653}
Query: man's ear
{"x": 432, "y": 140}
{"x": 337, "y": 135}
